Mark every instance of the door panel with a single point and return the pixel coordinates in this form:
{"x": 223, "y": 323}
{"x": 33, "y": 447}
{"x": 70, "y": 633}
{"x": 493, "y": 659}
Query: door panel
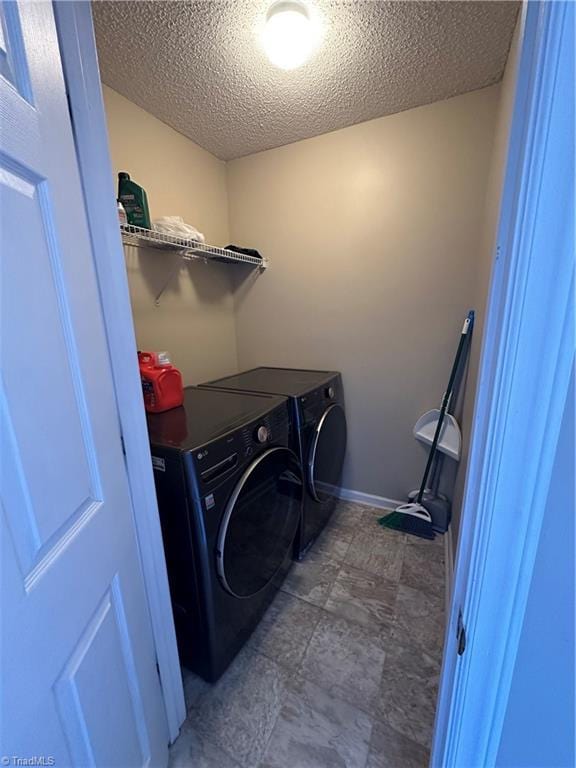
{"x": 80, "y": 690}
{"x": 56, "y": 498}
{"x": 13, "y": 65}
{"x": 77, "y": 658}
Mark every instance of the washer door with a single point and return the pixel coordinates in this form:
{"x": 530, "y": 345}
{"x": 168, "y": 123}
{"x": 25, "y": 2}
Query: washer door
{"x": 327, "y": 453}
{"x": 260, "y": 522}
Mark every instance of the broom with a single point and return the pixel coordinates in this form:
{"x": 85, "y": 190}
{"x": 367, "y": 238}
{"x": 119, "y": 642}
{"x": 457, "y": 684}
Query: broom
{"x": 414, "y": 518}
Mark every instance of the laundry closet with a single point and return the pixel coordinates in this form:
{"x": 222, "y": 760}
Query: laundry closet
{"x": 368, "y": 180}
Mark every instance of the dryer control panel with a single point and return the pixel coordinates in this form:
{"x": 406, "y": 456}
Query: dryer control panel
{"x": 314, "y": 403}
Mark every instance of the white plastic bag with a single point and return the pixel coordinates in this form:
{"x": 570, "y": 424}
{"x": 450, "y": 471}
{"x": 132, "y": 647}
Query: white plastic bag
{"x": 177, "y": 227}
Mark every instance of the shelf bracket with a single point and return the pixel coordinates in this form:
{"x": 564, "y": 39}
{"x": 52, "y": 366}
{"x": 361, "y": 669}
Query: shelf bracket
{"x": 168, "y": 280}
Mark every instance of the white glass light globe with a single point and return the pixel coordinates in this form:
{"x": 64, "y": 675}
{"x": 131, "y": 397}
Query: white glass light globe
{"x": 289, "y": 36}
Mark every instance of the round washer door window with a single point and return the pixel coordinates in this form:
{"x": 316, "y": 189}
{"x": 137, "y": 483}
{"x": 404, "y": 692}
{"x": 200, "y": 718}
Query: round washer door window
{"x": 327, "y": 453}
{"x": 260, "y": 522}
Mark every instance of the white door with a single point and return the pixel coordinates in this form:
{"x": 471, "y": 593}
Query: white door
{"x": 78, "y": 669}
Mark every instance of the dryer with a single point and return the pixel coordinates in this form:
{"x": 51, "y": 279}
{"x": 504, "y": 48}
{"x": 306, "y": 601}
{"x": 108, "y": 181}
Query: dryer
{"x": 318, "y": 434}
{"x": 230, "y": 493}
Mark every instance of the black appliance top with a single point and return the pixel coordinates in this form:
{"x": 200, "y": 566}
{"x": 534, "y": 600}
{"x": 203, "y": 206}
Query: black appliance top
{"x": 206, "y": 415}
{"x": 290, "y": 382}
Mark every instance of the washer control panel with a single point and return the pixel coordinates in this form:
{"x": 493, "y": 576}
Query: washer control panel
{"x": 219, "y": 459}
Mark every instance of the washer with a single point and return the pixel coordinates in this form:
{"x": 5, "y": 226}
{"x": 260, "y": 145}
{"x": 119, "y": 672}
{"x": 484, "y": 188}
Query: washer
{"x": 318, "y": 434}
{"x": 230, "y": 496}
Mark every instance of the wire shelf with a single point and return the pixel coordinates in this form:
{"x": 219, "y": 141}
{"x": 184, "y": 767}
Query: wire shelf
{"x": 188, "y": 249}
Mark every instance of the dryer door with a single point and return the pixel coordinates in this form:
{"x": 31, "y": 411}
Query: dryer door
{"x": 327, "y": 451}
{"x": 260, "y": 522}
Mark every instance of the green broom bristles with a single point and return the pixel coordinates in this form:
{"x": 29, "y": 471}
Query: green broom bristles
{"x": 391, "y": 520}
{"x": 397, "y": 521}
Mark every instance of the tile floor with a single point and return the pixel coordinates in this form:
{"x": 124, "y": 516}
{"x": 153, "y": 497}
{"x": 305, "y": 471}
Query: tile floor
{"x": 343, "y": 670}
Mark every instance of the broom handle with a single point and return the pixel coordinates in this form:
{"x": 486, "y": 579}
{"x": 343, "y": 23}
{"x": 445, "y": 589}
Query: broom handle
{"x": 445, "y": 401}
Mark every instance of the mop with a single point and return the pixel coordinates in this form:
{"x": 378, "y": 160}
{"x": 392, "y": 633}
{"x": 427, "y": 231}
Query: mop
{"x": 413, "y": 517}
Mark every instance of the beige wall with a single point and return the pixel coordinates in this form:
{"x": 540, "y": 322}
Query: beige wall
{"x": 486, "y": 257}
{"x": 195, "y": 319}
{"x": 373, "y": 235}
{"x": 373, "y": 232}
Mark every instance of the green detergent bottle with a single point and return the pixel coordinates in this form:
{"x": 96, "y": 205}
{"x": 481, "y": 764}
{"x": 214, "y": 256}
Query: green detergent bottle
{"x": 134, "y": 200}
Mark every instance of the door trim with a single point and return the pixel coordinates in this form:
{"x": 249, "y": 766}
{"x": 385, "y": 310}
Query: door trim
{"x": 527, "y": 356}
{"x": 82, "y": 77}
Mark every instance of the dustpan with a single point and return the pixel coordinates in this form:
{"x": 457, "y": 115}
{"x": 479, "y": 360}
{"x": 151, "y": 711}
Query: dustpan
{"x": 450, "y": 440}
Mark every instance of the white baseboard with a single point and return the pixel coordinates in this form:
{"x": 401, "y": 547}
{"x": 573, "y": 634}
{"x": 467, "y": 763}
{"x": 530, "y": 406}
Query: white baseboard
{"x": 449, "y": 568}
{"x": 369, "y": 499}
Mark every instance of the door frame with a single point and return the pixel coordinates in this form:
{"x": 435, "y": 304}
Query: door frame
{"x": 83, "y": 85}
{"x": 475, "y": 687}
{"x": 526, "y": 362}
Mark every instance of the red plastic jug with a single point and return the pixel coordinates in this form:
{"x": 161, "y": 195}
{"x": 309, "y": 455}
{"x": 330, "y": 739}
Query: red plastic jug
{"x": 161, "y": 382}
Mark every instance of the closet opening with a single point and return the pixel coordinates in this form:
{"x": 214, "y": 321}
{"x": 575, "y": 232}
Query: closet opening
{"x": 308, "y": 221}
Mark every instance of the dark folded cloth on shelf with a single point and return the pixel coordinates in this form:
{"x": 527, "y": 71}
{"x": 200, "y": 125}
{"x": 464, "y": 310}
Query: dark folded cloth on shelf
{"x": 245, "y": 251}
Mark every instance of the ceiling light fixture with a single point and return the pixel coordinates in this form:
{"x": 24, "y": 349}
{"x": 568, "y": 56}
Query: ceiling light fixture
{"x": 290, "y": 34}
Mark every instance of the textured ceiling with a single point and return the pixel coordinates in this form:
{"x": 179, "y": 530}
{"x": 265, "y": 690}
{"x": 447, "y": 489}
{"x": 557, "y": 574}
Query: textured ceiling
{"x": 199, "y": 67}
